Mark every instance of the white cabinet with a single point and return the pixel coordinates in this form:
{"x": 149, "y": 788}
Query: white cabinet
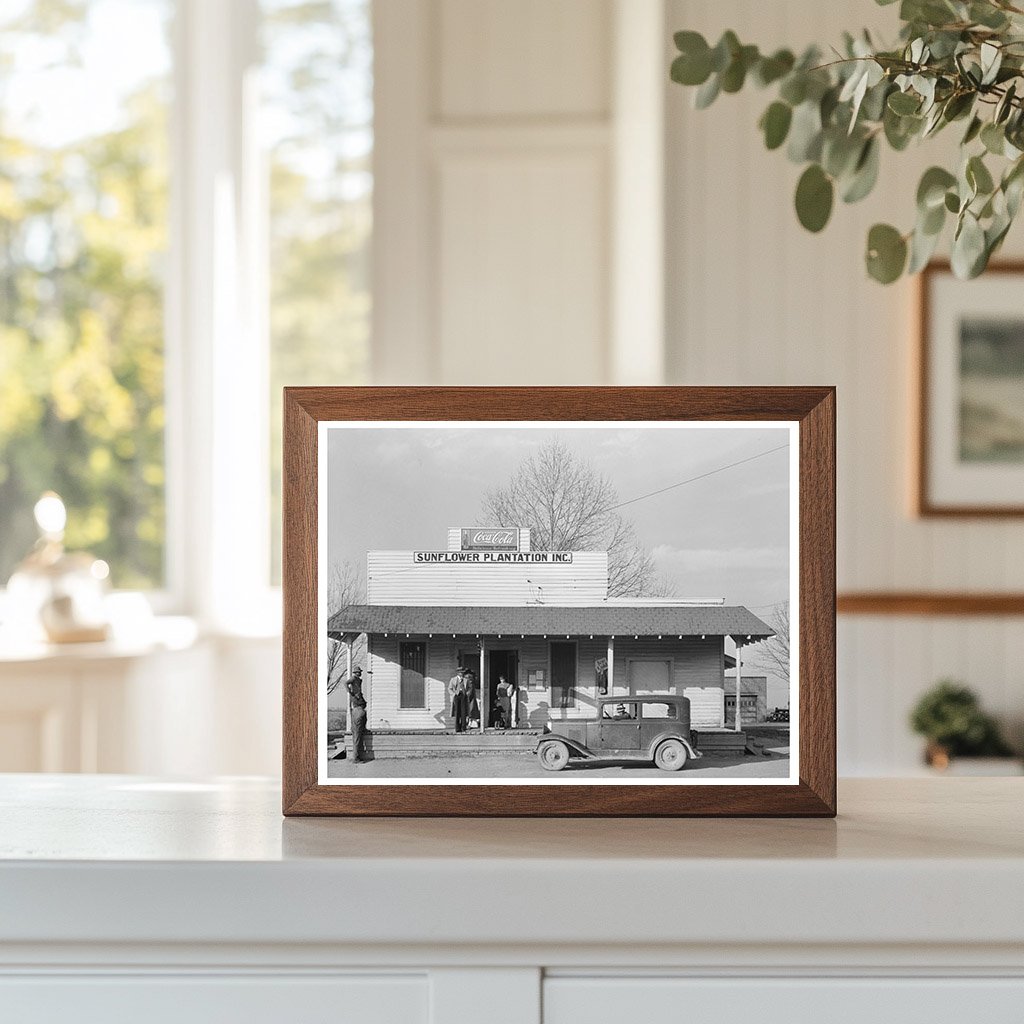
{"x": 202, "y": 999}
{"x": 131, "y": 898}
{"x": 827, "y": 1000}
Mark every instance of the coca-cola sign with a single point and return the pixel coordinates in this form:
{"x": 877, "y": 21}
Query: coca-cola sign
{"x": 490, "y": 538}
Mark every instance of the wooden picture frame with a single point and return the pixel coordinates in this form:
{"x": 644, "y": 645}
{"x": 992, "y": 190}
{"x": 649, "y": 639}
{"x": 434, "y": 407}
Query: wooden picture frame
{"x": 810, "y": 411}
{"x": 940, "y": 490}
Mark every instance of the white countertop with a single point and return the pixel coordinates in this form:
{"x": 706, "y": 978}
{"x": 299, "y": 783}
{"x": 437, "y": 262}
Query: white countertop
{"x": 122, "y": 859}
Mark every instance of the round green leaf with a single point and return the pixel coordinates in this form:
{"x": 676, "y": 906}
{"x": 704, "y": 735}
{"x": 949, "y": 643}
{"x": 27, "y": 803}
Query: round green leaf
{"x": 958, "y": 106}
{"x": 931, "y": 221}
{"x": 707, "y": 93}
{"x": 725, "y": 49}
{"x": 693, "y": 65}
{"x": 887, "y": 253}
{"x": 805, "y": 133}
{"x": 952, "y": 202}
{"x": 865, "y": 173}
{"x": 794, "y": 89}
{"x": 840, "y": 152}
{"x": 932, "y": 189}
{"x": 922, "y": 248}
{"x": 900, "y": 130}
{"x": 903, "y": 103}
{"x": 735, "y": 74}
{"x": 968, "y": 256}
{"x": 978, "y": 176}
{"x": 770, "y": 69}
{"x": 993, "y": 138}
{"x": 775, "y": 123}
{"x": 973, "y": 130}
{"x": 814, "y": 194}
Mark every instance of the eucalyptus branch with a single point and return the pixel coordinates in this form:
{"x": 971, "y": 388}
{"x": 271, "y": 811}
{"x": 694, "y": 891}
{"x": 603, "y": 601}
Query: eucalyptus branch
{"x": 955, "y": 61}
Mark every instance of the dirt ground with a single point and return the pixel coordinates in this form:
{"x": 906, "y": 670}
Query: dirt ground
{"x": 525, "y": 766}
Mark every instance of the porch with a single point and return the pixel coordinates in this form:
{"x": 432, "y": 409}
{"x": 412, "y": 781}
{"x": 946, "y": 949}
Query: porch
{"x": 390, "y": 743}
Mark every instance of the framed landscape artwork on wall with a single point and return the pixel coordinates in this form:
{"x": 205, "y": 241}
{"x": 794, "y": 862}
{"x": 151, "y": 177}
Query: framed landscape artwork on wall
{"x": 970, "y": 450}
{"x": 559, "y": 601}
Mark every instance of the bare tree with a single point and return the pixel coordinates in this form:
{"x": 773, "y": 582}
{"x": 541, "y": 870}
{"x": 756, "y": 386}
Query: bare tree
{"x": 345, "y": 587}
{"x": 569, "y": 506}
{"x": 772, "y": 655}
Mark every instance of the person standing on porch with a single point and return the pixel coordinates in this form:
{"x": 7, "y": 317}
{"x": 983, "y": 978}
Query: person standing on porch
{"x": 457, "y": 693}
{"x": 357, "y": 705}
{"x": 504, "y": 695}
{"x": 472, "y": 701}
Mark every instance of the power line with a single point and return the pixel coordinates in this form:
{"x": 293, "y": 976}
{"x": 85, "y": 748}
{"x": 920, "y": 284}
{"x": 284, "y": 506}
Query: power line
{"x": 692, "y": 479}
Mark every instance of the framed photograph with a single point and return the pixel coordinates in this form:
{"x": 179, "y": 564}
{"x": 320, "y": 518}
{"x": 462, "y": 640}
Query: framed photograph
{"x": 559, "y": 601}
{"x": 970, "y": 450}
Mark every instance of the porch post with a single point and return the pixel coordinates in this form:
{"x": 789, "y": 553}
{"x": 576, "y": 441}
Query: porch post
{"x": 611, "y": 663}
{"x": 739, "y": 679}
{"x": 348, "y": 699}
{"x": 484, "y": 691}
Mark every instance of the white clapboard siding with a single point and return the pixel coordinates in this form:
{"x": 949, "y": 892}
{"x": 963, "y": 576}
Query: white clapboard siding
{"x": 707, "y": 706}
{"x": 695, "y": 662}
{"x": 394, "y": 577}
{"x": 382, "y": 691}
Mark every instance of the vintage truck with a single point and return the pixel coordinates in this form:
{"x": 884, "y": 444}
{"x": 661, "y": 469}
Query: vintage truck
{"x": 653, "y": 727}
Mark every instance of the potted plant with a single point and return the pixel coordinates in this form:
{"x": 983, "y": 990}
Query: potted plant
{"x": 950, "y": 717}
{"x": 956, "y": 62}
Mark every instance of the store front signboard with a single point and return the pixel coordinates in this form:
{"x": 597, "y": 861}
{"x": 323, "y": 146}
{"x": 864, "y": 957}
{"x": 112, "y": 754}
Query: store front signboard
{"x": 490, "y": 539}
{"x": 493, "y": 557}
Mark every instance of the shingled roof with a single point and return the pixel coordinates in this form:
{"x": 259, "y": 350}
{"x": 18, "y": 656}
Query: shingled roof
{"x": 540, "y": 620}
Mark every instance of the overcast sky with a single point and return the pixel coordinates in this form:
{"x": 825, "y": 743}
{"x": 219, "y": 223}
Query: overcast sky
{"x": 725, "y": 536}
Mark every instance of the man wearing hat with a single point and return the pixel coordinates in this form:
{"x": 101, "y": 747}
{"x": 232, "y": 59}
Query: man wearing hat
{"x": 357, "y": 714}
{"x": 457, "y": 692}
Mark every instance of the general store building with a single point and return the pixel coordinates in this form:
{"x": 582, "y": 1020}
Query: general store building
{"x": 544, "y": 620}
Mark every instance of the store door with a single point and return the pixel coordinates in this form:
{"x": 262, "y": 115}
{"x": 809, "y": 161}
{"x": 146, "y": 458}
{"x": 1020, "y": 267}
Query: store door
{"x": 563, "y": 674}
{"x": 501, "y": 663}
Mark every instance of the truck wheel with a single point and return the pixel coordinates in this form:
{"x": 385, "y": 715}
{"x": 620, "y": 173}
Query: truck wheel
{"x": 553, "y": 756}
{"x": 670, "y": 756}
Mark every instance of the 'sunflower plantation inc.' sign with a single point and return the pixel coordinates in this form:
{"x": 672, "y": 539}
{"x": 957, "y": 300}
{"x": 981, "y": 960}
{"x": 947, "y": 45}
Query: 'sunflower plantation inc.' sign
{"x": 493, "y": 557}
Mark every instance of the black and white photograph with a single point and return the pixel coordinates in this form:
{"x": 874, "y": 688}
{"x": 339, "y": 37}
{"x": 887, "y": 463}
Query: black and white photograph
{"x": 574, "y": 602}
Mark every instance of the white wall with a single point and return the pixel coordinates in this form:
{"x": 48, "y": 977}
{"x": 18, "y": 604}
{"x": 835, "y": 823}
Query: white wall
{"x": 754, "y": 299}
{"x": 508, "y": 136}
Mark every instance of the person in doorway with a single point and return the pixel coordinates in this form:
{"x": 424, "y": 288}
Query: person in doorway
{"x": 504, "y": 702}
{"x": 472, "y": 702}
{"x": 357, "y": 714}
{"x": 457, "y": 694}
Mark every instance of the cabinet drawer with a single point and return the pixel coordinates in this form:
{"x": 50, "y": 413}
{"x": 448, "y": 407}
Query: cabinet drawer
{"x": 202, "y": 999}
{"x": 596, "y": 1000}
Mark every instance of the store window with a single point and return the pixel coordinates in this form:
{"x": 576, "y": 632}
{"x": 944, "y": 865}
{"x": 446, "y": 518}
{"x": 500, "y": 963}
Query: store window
{"x": 412, "y": 691}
